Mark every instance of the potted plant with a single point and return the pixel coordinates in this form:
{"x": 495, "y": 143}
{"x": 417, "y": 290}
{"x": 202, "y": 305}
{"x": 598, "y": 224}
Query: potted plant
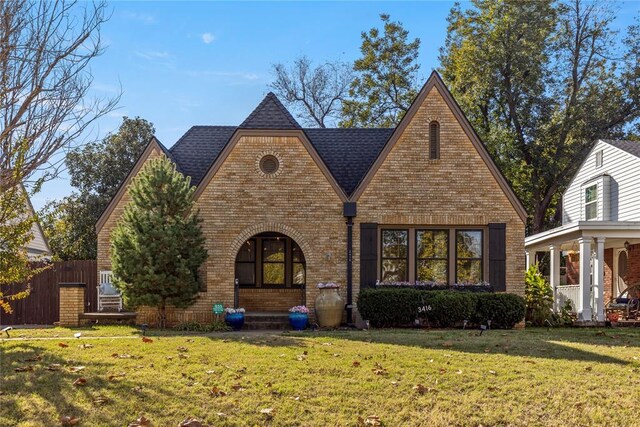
{"x": 329, "y": 305}
{"x": 299, "y": 317}
{"x": 234, "y": 317}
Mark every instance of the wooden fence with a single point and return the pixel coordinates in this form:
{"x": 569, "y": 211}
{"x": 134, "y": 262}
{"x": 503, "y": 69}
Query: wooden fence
{"x": 42, "y": 306}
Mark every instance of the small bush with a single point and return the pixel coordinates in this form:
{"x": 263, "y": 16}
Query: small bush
{"x": 389, "y": 307}
{"x": 193, "y": 326}
{"x": 538, "y": 296}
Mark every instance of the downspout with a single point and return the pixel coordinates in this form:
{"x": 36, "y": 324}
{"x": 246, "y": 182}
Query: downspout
{"x": 349, "y": 211}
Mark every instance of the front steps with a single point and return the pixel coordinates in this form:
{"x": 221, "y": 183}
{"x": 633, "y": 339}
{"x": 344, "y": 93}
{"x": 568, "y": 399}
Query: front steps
{"x": 268, "y": 320}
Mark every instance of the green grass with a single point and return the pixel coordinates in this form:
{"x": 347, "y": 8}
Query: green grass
{"x": 561, "y": 377}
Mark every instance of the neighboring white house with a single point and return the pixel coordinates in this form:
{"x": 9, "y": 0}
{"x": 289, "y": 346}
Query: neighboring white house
{"x": 600, "y": 217}
{"x": 38, "y": 247}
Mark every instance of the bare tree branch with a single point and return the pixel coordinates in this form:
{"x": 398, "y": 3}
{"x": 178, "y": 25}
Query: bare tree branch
{"x": 45, "y": 51}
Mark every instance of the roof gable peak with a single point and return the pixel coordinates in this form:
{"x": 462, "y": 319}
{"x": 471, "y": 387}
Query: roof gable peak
{"x": 270, "y": 114}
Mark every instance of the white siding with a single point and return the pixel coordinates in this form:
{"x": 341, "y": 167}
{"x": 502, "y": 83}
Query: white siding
{"x": 622, "y": 189}
{"x": 37, "y": 246}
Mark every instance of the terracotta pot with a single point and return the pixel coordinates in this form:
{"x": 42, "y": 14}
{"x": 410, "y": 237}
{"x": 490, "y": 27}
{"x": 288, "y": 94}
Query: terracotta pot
{"x": 329, "y": 308}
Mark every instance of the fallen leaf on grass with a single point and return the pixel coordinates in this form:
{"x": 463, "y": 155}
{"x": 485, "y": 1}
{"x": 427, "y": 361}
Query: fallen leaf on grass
{"x": 192, "y": 422}
{"x": 63, "y": 345}
{"x": 221, "y": 414}
{"x": 380, "y": 372}
{"x": 268, "y": 412}
{"x": 371, "y": 420}
{"x": 76, "y": 368}
{"x": 116, "y": 376}
{"x": 459, "y": 372}
{"x": 141, "y": 422}
{"x": 210, "y": 372}
{"x": 216, "y": 392}
{"x": 493, "y": 372}
{"x": 83, "y": 346}
{"x": 80, "y": 382}
{"x": 53, "y": 367}
{"x": 301, "y": 357}
{"x": 355, "y": 364}
{"x": 27, "y": 368}
{"x": 35, "y": 358}
{"x": 101, "y": 400}
{"x": 182, "y": 349}
{"x": 421, "y": 389}
{"x": 442, "y": 370}
{"x": 183, "y": 356}
{"x": 145, "y": 339}
{"x": 237, "y": 387}
{"x": 588, "y": 368}
{"x": 327, "y": 343}
{"x": 66, "y": 420}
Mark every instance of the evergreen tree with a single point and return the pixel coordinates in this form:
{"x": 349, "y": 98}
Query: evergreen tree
{"x": 158, "y": 246}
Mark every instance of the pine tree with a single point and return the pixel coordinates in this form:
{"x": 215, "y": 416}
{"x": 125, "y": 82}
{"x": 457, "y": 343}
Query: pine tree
{"x": 158, "y": 245}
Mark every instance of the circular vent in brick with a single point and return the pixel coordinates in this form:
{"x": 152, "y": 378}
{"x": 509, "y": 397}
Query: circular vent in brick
{"x": 269, "y": 164}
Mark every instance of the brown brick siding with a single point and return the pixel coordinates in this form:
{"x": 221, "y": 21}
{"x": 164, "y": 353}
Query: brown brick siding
{"x": 270, "y": 299}
{"x": 71, "y": 305}
{"x": 633, "y": 267}
{"x": 457, "y": 189}
{"x": 609, "y": 291}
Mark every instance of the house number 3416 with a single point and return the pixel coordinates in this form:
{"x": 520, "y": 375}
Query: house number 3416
{"x": 424, "y": 309}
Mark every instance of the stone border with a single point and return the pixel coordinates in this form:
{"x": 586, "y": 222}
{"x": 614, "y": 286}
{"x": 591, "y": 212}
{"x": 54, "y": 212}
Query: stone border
{"x": 280, "y": 164}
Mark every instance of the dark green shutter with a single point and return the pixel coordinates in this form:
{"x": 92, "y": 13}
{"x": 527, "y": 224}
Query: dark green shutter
{"x": 368, "y": 254}
{"x": 498, "y": 256}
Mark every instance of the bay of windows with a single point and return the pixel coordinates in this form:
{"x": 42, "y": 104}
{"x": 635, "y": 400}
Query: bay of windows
{"x": 432, "y": 255}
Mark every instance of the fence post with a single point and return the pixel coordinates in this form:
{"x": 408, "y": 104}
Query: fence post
{"x": 71, "y": 303}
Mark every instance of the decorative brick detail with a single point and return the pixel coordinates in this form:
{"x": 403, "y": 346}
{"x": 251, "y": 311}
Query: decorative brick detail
{"x": 71, "y": 305}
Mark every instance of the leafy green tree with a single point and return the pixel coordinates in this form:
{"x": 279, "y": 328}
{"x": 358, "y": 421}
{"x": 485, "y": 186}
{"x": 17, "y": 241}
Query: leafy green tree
{"x": 386, "y": 80}
{"x": 158, "y": 245}
{"x": 539, "y": 297}
{"x": 540, "y": 81}
{"x": 16, "y": 219}
{"x": 97, "y": 171}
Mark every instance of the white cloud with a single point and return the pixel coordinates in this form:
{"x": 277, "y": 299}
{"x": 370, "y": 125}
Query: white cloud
{"x": 153, "y": 54}
{"x": 208, "y": 38}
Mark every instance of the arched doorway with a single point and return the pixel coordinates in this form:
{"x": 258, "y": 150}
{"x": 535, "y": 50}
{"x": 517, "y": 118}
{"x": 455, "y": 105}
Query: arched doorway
{"x": 271, "y": 273}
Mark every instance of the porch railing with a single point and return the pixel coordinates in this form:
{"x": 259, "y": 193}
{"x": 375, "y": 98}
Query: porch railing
{"x": 567, "y": 292}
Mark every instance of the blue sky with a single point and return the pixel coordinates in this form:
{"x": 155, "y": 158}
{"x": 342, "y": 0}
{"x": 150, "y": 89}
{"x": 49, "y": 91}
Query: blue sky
{"x": 181, "y": 64}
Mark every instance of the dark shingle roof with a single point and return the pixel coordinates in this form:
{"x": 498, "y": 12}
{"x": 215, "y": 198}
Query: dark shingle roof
{"x": 348, "y": 153}
{"x": 196, "y": 151}
{"x": 270, "y": 114}
{"x": 631, "y": 147}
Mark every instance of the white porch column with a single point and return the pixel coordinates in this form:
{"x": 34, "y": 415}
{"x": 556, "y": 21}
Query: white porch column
{"x": 527, "y": 261}
{"x": 584, "y": 298}
{"x": 598, "y": 280}
{"x": 554, "y": 252}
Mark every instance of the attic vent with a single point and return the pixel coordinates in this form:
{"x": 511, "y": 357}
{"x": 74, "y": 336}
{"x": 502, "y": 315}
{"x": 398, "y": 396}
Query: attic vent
{"x": 434, "y": 140}
{"x": 269, "y": 164}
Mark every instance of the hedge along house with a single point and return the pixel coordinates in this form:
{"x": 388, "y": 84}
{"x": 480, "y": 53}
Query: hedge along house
{"x": 285, "y": 208}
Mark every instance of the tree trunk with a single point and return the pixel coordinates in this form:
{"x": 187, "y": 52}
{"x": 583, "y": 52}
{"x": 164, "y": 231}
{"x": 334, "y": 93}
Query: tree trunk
{"x": 162, "y": 312}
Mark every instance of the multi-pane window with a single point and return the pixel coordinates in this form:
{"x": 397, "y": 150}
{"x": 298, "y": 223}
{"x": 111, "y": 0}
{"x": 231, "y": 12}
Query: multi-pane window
{"x": 395, "y": 251}
{"x": 273, "y": 262}
{"x": 469, "y": 256}
{"x": 591, "y": 202}
{"x": 434, "y": 140}
{"x": 432, "y": 256}
{"x": 246, "y": 264}
{"x": 270, "y": 260}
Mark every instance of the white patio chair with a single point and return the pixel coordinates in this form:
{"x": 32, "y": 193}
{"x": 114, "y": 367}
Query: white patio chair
{"x": 108, "y": 296}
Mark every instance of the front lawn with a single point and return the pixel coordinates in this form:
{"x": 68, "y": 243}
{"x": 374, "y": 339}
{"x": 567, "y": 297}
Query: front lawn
{"x": 399, "y": 377}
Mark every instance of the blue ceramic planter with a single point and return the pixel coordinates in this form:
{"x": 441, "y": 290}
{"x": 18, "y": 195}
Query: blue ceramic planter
{"x": 234, "y": 320}
{"x": 298, "y": 321}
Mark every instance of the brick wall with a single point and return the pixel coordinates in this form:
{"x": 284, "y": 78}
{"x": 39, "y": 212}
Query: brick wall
{"x": 633, "y": 267}
{"x": 71, "y": 305}
{"x": 270, "y": 299}
{"x": 609, "y": 291}
{"x": 457, "y": 189}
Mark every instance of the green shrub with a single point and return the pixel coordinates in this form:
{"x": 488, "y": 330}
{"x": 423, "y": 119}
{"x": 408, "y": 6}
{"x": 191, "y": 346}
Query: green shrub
{"x": 504, "y": 310}
{"x": 389, "y": 307}
{"x": 538, "y": 296}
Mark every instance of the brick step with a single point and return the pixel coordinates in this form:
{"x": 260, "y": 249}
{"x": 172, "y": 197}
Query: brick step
{"x": 266, "y": 321}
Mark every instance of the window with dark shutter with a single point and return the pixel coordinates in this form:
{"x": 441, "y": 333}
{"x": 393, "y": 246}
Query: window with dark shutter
{"x": 498, "y": 256}
{"x": 434, "y": 140}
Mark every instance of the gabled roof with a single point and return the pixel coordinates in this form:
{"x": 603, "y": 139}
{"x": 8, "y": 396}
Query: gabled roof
{"x": 631, "y": 147}
{"x": 270, "y": 114}
{"x": 349, "y": 153}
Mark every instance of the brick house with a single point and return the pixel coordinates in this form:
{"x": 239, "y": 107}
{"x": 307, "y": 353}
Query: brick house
{"x": 601, "y": 218}
{"x": 285, "y": 208}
